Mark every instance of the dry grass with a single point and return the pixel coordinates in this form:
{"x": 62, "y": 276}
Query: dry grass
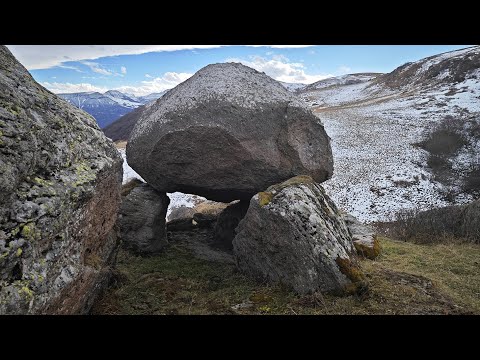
{"x": 121, "y": 144}
{"x": 210, "y": 208}
{"x": 406, "y": 279}
{"x": 129, "y": 186}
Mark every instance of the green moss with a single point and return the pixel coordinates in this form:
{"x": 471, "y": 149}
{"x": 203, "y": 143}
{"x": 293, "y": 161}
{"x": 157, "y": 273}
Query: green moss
{"x": 264, "y": 198}
{"x": 15, "y": 231}
{"x": 42, "y": 182}
{"x": 297, "y": 180}
{"x": 19, "y": 252}
{"x": 351, "y": 270}
{"x": 29, "y": 231}
{"x": 84, "y": 174}
{"x": 26, "y": 292}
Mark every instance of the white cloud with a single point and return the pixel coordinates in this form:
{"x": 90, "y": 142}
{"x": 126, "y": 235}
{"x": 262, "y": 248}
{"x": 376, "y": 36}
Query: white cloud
{"x": 158, "y": 84}
{"x": 59, "y": 88}
{"x": 344, "y": 70}
{"x": 96, "y": 67}
{"x": 148, "y": 76}
{"x": 123, "y": 70}
{"x": 280, "y": 68}
{"x": 35, "y": 57}
{"x": 167, "y": 81}
{"x": 70, "y": 68}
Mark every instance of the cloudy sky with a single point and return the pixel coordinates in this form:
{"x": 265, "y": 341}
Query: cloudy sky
{"x": 144, "y": 69}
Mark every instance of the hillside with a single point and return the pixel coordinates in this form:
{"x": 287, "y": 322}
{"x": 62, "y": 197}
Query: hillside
{"x": 389, "y": 134}
{"x": 121, "y": 128}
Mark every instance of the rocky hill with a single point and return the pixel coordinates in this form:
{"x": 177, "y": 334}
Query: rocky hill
{"x": 408, "y": 139}
{"x": 122, "y": 128}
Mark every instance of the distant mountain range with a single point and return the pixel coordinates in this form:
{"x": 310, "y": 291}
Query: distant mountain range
{"x": 109, "y": 106}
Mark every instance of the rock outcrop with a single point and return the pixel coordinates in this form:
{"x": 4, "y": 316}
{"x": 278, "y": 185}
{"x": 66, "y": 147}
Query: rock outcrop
{"x": 227, "y": 133}
{"x": 227, "y": 222}
{"x": 141, "y": 220}
{"x": 293, "y": 234}
{"x": 60, "y": 180}
{"x": 363, "y": 236}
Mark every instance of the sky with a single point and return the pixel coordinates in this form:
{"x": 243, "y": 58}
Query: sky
{"x": 145, "y": 69}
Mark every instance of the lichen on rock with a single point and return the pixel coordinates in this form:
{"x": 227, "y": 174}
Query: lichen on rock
{"x": 298, "y": 238}
{"x": 60, "y": 181}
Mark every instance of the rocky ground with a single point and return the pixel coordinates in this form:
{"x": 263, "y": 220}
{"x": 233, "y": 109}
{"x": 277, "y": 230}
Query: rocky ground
{"x": 191, "y": 277}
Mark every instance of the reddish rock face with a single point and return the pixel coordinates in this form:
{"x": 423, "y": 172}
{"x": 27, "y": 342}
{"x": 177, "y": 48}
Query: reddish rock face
{"x": 60, "y": 181}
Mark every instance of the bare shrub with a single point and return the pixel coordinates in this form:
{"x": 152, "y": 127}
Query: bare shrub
{"x": 451, "y": 223}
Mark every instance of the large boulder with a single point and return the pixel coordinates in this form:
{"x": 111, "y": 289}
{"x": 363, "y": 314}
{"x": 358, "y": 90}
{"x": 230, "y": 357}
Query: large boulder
{"x": 227, "y": 133}
{"x": 60, "y": 181}
{"x": 141, "y": 220}
{"x": 294, "y": 234}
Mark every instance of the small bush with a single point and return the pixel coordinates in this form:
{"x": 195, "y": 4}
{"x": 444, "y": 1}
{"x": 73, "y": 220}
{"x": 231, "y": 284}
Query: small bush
{"x": 451, "y": 223}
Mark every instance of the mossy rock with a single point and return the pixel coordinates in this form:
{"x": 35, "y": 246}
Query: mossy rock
{"x": 368, "y": 251}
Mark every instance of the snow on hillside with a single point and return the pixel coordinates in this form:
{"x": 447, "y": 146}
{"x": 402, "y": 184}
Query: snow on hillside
{"x": 177, "y": 199}
{"x": 292, "y": 86}
{"x": 378, "y": 170}
{"x": 347, "y": 79}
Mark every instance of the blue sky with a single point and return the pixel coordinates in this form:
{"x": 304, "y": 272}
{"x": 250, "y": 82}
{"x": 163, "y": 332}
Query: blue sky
{"x": 143, "y": 69}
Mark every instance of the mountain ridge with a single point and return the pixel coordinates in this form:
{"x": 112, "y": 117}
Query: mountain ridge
{"x": 108, "y": 106}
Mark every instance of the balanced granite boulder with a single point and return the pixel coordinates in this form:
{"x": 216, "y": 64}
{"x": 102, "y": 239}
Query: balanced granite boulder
{"x": 141, "y": 220}
{"x": 294, "y": 234}
{"x": 227, "y": 133}
{"x": 60, "y": 181}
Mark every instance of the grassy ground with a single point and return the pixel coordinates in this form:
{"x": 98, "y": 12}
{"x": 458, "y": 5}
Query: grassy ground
{"x": 406, "y": 279}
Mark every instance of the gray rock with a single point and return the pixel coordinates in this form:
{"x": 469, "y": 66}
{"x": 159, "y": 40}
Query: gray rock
{"x": 227, "y": 222}
{"x": 293, "y": 234}
{"x": 227, "y": 133}
{"x": 180, "y": 224}
{"x": 204, "y": 220}
{"x": 60, "y": 180}
{"x": 142, "y": 220}
{"x": 363, "y": 236}
{"x": 181, "y": 212}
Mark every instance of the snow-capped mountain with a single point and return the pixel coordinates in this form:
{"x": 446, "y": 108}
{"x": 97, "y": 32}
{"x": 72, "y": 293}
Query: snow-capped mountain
{"x": 294, "y": 87}
{"x": 109, "y": 106}
{"x": 379, "y": 128}
{"x": 347, "y": 79}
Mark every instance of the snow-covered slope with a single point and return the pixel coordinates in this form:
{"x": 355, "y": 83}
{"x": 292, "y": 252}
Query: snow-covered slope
{"x": 348, "y": 79}
{"x": 293, "y": 86}
{"x": 109, "y": 106}
{"x": 376, "y": 127}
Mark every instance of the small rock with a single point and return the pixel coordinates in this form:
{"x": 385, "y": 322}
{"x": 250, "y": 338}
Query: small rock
{"x": 363, "y": 236}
